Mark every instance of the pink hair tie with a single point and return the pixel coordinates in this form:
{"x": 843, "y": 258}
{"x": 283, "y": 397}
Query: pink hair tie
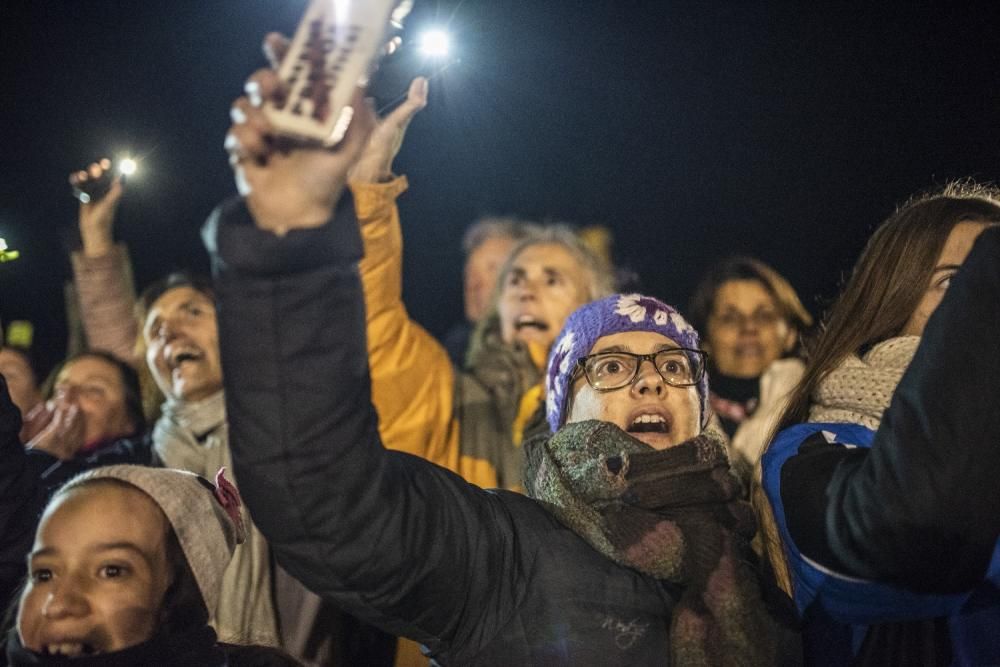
{"x": 229, "y": 497}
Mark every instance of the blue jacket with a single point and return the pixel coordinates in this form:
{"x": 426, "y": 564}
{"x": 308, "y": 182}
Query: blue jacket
{"x": 839, "y": 610}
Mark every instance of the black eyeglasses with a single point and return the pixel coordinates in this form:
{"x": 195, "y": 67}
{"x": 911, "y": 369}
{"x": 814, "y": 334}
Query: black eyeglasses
{"x": 678, "y": 366}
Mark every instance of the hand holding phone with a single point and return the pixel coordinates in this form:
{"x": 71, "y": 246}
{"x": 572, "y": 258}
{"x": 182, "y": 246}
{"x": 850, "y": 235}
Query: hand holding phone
{"x": 334, "y": 50}
{"x": 99, "y": 189}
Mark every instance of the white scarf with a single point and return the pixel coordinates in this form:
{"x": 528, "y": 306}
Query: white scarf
{"x": 194, "y": 436}
{"x": 860, "y": 389}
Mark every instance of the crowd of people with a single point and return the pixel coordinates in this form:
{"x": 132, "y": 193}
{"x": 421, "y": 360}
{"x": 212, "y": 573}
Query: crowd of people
{"x": 765, "y": 491}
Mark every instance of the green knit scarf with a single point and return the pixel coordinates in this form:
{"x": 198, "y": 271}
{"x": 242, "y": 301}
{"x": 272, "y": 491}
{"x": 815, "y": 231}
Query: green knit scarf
{"x": 674, "y": 514}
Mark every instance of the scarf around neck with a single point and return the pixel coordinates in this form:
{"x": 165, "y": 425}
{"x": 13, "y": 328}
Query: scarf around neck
{"x": 859, "y": 390}
{"x": 194, "y": 436}
{"x": 198, "y": 418}
{"x": 673, "y": 514}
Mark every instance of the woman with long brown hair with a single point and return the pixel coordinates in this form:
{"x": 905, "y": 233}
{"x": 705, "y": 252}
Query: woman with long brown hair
{"x": 881, "y": 510}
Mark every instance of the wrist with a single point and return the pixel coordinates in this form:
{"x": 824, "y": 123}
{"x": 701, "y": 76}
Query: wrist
{"x": 281, "y": 220}
{"x": 373, "y": 172}
{"x": 97, "y": 247}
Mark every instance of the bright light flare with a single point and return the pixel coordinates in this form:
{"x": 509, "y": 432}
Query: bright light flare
{"x": 127, "y": 166}
{"x": 7, "y": 255}
{"x": 435, "y": 43}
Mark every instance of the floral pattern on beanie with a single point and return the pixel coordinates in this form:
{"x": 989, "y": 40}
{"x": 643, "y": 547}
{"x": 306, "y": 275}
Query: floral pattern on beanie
{"x": 563, "y": 359}
{"x": 614, "y": 314}
{"x": 637, "y": 308}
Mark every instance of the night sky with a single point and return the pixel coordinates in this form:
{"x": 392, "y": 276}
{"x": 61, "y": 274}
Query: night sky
{"x": 693, "y": 130}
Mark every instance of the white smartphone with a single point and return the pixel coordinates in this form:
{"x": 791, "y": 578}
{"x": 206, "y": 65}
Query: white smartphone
{"x": 336, "y": 47}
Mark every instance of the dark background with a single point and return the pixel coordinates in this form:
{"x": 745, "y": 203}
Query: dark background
{"x": 691, "y": 129}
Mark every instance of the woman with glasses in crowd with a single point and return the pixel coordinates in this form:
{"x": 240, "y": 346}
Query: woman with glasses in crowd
{"x": 882, "y": 509}
{"x": 753, "y": 322}
{"x": 632, "y": 545}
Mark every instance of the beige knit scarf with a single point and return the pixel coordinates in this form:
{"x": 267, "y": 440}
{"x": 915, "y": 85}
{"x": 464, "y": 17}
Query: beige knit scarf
{"x": 194, "y": 436}
{"x": 860, "y": 389}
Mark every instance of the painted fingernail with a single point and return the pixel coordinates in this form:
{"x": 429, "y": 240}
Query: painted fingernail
{"x": 231, "y": 143}
{"x": 252, "y": 89}
{"x": 237, "y": 115}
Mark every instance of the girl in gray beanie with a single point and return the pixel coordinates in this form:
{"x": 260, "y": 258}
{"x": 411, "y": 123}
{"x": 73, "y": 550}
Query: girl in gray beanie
{"x": 127, "y": 561}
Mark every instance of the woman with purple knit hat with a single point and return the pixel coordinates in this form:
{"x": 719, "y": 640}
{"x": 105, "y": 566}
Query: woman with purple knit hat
{"x": 631, "y": 549}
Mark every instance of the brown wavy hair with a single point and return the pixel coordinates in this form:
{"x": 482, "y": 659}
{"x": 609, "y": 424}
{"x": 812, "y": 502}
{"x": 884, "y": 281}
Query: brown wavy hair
{"x": 888, "y": 281}
{"x": 884, "y": 289}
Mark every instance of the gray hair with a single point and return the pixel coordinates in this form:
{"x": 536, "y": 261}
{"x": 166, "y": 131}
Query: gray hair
{"x": 600, "y": 275}
{"x": 600, "y": 278}
{"x": 497, "y": 227}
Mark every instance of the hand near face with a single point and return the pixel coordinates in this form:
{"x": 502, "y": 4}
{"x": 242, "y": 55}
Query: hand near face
{"x": 288, "y": 185}
{"x": 37, "y": 419}
{"x": 97, "y": 217}
{"x": 65, "y": 433}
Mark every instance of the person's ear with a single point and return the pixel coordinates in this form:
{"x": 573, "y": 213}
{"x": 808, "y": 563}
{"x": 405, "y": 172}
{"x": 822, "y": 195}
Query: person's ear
{"x": 791, "y": 338}
{"x": 704, "y": 344}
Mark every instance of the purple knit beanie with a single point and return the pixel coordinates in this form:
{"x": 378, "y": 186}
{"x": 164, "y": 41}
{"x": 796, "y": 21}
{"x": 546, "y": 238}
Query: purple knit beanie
{"x": 614, "y": 314}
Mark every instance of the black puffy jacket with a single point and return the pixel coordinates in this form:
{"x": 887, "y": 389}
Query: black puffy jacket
{"x": 479, "y": 577}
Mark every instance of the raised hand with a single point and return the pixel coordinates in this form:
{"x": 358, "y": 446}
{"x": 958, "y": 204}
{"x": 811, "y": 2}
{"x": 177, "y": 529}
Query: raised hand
{"x": 375, "y": 164}
{"x": 97, "y": 217}
{"x": 288, "y": 185}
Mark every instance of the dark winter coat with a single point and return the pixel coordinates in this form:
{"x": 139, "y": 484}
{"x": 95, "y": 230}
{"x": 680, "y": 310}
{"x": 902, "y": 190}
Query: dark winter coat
{"x": 479, "y": 577}
{"x": 891, "y": 536}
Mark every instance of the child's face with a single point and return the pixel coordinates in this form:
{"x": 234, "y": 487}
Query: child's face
{"x": 97, "y": 573}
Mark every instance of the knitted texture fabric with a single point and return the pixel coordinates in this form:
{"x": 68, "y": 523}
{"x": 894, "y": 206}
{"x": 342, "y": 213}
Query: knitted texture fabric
{"x": 859, "y": 390}
{"x": 614, "y": 314}
{"x": 194, "y": 435}
{"x": 674, "y": 514}
{"x": 207, "y": 531}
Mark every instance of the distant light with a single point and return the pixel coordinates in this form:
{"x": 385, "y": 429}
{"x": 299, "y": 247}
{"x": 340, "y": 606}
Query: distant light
{"x": 435, "y": 43}
{"x": 127, "y": 166}
{"x": 7, "y": 255}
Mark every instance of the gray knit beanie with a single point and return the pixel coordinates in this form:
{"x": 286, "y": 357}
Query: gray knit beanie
{"x": 610, "y": 315}
{"x": 206, "y": 518}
